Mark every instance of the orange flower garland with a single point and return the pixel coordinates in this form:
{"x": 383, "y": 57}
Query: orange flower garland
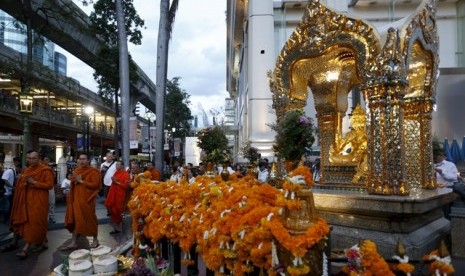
{"x": 441, "y": 265}
{"x": 373, "y": 263}
{"x": 366, "y": 261}
{"x": 231, "y": 223}
{"x": 305, "y": 172}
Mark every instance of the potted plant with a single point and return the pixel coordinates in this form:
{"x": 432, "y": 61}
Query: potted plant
{"x": 294, "y": 132}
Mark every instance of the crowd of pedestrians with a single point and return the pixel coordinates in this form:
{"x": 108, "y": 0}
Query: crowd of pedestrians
{"x": 27, "y": 199}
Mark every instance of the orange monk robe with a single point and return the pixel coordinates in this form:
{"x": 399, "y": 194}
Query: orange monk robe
{"x": 80, "y": 204}
{"x": 116, "y": 196}
{"x": 155, "y": 174}
{"x": 29, "y": 212}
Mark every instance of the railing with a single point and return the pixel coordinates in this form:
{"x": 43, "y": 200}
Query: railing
{"x": 45, "y": 114}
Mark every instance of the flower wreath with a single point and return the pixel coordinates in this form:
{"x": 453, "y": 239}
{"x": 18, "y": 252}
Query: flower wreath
{"x": 233, "y": 224}
{"x": 439, "y": 265}
{"x": 366, "y": 261}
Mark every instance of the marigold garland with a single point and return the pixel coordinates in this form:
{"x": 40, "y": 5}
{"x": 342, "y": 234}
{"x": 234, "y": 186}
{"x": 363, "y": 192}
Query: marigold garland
{"x": 231, "y": 223}
{"x": 441, "y": 265}
{"x": 403, "y": 265}
{"x": 305, "y": 172}
{"x": 372, "y": 261}
{"x": 366, "y": 261}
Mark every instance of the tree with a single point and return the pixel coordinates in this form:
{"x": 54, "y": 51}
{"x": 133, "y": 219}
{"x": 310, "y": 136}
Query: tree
{"x": 107, "y": 20}
{"x": 177, "y": 113}
{"x": 167, "y": 15}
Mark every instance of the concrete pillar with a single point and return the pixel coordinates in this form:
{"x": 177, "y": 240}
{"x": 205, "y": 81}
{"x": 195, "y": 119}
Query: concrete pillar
{"x": 261, "y": 58}
{"x": 338, "y": 5}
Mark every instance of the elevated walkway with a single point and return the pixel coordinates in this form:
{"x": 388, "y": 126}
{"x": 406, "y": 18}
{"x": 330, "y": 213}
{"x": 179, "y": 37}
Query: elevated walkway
{"x": 67, "y": 25}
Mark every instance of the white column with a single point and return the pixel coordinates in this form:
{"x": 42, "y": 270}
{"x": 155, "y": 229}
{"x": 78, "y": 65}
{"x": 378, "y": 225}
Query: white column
{"x": 338, "y": 5}
{"x": 261, "y": 58}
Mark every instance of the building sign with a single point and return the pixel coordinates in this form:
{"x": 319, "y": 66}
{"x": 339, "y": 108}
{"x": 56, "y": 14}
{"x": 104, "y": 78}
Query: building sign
{"x": 133, "y": 133}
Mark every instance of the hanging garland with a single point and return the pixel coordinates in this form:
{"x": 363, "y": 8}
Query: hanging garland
{"x": 232, "y": 224}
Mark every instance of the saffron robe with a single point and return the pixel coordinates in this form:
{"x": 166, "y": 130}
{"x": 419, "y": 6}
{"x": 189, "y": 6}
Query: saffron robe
{"x": 29, "y": 211}
{"x": 80, "y": 203}
{"x": 116, "y": 196}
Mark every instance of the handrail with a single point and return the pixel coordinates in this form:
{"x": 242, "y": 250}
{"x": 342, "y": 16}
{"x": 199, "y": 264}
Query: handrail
{"x": 43, "y": 114}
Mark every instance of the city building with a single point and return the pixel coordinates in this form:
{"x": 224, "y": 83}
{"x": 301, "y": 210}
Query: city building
{"x": 13, "y": 35}
{"x": 58, "y": 121}
{"x": 258, "y": 29}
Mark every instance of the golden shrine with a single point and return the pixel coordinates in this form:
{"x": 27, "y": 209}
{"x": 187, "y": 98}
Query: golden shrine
{"x": 396, "y": 72}
{"x": 389, "y": 149}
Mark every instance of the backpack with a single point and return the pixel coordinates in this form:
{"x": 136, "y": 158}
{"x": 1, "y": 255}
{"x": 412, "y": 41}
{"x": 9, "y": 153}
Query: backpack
{"x": 2, "y": 187}
{"x": 105, "y": 168}
{"x": 14, "y": 178}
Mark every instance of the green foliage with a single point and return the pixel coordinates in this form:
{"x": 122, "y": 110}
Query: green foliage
{"x": 104, "y": 24}
{"x": 107, "y": 72}
{"x": 250, "y": 152}
{"x": 177, "y": 111}
{"x": 293, "y": 133}
{"x": 104, "y": 21}
{"x": 214, "y": 143}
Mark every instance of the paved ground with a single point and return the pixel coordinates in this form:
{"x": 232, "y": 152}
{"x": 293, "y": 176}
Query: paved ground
{"x": 41, "y": 264}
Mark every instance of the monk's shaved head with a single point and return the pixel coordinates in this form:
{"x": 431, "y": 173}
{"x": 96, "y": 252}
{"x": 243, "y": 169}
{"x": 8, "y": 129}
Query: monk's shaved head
{"x": 32, "y": 158}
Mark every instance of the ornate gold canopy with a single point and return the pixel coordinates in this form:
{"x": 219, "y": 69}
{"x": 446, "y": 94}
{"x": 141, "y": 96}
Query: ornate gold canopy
{"x": 330, "y": 54}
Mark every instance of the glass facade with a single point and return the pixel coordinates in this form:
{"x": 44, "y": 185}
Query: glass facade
{"x": 13, "y": 35}
{"x": 60, "y": 63}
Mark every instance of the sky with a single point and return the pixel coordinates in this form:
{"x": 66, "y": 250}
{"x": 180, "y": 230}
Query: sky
{"x": 197, "y": 51}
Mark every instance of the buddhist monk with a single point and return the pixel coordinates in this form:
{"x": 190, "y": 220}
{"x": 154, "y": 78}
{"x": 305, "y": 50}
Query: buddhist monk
{"x": 155, "y": 173}
{"x": 80, "y": 216}
{"x": 116, "y": 196}
{"x": 30, "y": 205}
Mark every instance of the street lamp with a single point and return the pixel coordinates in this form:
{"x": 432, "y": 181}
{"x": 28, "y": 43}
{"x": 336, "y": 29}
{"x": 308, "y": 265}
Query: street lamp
{"x": 88, "y": 110}
{"x": 150, "y": 117}
{"x": 25, "y": 108}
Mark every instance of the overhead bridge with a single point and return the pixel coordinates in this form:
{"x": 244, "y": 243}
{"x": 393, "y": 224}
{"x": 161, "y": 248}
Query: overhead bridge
{"x": 68, "y": 26}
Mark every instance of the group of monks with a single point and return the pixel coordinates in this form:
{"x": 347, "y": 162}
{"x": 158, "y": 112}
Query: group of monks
{"x": 30, "y": 205}
{"x": 29, "y": 212}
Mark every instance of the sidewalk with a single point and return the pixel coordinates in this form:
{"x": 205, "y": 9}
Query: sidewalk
{"x": 42, "y": 263}
{"x": 60, "y": 212}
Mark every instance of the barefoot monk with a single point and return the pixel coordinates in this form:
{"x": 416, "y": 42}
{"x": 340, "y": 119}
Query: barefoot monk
{"x": 29, "y": 212}
{"x": 80, "y": 205}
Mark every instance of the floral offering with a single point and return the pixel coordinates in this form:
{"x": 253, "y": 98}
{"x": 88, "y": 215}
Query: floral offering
{"x": 232, "y": 224}
{"x": 439, "y": 265}
{"x": 365, "y": 260}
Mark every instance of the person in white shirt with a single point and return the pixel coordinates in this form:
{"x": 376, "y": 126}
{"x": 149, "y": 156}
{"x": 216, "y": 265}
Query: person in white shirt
{"x": 175, "y": 174}
{"x": 9, "y": 176}
{"x": 262, "y": 172}
{"x": 190, "y": 177}
{"x": 107, "y": 170}
{"x": 447, "y": 176}
{"x": 446, "y": 172}
{"x": 220, "y": 169}
{"x": 66, "y": 184}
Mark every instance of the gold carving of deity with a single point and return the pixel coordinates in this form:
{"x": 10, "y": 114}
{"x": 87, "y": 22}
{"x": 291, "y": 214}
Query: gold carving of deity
{"x": 351, "y": 149}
